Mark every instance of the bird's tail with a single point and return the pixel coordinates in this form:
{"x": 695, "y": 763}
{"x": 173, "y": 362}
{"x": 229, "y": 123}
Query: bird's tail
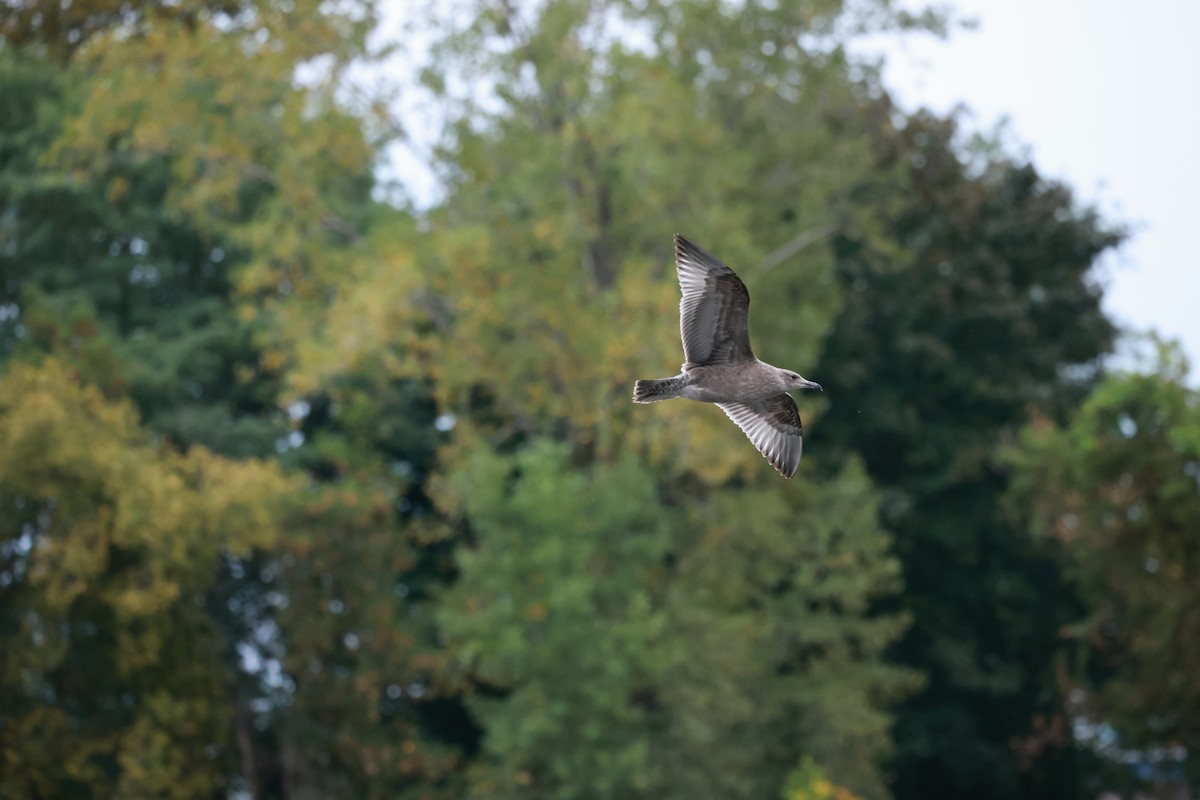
{"x": 651, "y": 391}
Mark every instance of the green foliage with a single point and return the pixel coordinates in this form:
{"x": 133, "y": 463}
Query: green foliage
{"x": 137, "y": 296}
{"x": 366, "y": 714}
{"x": 782, "y": 655}
{"x": 622, "y": 648}
{"x": 1117, "y": 488}
{"x": 558, "y": 611}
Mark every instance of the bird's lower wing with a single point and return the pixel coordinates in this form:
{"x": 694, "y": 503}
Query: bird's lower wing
{"x": 773, "y": 426}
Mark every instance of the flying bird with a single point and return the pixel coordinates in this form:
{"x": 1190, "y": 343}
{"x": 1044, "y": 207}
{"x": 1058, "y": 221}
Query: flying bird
{"x": 719, "y": 366}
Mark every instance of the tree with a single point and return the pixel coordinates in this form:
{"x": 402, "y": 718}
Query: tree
{"x": 528, "y": 248}
{"x": 259, "y": 164}
{"x": 143, "y": 211}
{"x": 622, "y": 647}
{"x": 558, "y": 618}
{"x": 373, "y": 708}
{"x": 781, "y": 653}
{"x": 971, "y": 308}
{"x": 63, "y": 29}
{"x": 107, "y": 544}
{"x": 139, "y": 297}
{"x": 1116, "y": 488}
{"x": 98, "y": 272}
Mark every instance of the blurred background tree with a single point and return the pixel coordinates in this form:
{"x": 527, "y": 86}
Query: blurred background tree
{"x": 112, "y": 679}
{"x": 1116, "y": 488}
{"x": 489, "y": 574}
{"x": 981, "y": 311}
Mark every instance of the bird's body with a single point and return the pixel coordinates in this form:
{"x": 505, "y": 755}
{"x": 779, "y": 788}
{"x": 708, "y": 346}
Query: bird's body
{"x": 725, "y": 383}
{"x": 721, "y": 368}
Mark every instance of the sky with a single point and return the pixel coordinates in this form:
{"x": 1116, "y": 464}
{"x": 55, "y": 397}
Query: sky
{"x": 1105, "y": 96}
{"x": 1102, "y": 94}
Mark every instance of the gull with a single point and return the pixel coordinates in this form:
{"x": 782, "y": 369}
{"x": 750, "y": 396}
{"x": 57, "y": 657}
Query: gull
{"x": 719, "y": 366}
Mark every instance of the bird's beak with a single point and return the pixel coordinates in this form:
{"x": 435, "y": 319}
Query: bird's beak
{"x": 812, "y": 385}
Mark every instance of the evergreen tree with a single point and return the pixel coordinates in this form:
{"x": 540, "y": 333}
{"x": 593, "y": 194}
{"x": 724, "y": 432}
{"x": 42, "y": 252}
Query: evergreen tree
{"x": 975, "y": 306}
{"x": 96, "y": 266}
{"x": 622, "y": 648}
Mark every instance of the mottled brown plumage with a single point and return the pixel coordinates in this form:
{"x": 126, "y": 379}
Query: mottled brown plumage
{"x": 719, "y": 366}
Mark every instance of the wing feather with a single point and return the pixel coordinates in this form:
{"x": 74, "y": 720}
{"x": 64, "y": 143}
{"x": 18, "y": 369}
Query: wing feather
{"x": 773, "y": 427}
{"x": 714, "y": 310}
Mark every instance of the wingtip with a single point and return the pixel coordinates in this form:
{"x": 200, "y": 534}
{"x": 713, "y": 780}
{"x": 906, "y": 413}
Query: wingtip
{"x": 778, "y": 466}
{"x": 782, "y": 469}
{"x": 685, "y": 248}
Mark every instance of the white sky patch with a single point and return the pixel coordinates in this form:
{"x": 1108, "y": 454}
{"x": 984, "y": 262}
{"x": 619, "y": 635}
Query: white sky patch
{"x": 1104, "y": 95}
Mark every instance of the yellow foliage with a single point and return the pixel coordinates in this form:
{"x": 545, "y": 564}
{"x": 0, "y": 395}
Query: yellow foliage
{"x": 536, "y": 611}
{"x": 111, "y": 485}
{"x": 123, "y": 523}
{"x": 39, "y": 746}
{"x": 808, "y": 782}
{"x": 153, "y": 762}
{"x": 217, "y": 103}
{"x": 373, "y": 318}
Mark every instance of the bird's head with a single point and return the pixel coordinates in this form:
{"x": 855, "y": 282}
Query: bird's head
{"x": 794, "y": 381}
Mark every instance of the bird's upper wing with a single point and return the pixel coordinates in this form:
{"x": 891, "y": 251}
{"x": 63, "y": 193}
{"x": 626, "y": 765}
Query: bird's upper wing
{"x": 714, "y": 310}
{"x": 773, "y": 425}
